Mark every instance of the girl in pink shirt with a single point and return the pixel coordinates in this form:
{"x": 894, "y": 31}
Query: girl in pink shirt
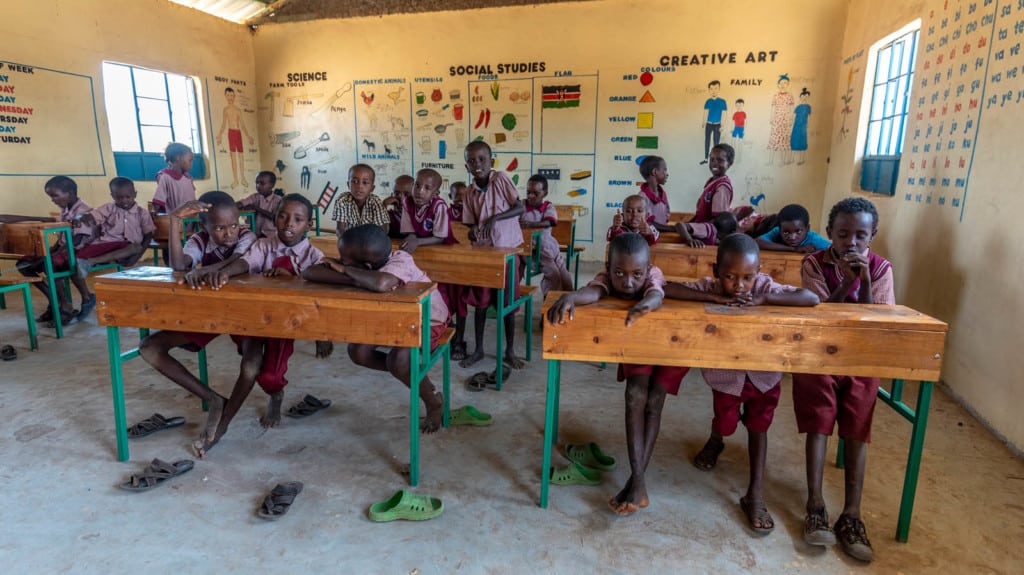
{"x": 173, "y": 184}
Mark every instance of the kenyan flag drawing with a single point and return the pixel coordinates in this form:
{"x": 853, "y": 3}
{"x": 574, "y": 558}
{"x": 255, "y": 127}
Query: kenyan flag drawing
{"x": 560, "y": 96}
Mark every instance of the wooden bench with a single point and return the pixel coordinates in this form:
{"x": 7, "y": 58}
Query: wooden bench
{"x": 31, "y": 239}
{"x": 258, "y": 306}
{"x": 681, "y": 262}
{"x": 565, "y": 235}
{"x": 862, "y": 340}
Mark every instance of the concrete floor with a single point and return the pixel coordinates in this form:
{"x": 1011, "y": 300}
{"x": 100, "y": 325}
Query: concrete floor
{"x": 63, "y": 513}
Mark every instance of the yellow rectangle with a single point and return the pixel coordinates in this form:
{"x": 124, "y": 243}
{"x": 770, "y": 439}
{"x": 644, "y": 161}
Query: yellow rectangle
{"x": 645, "y": 120}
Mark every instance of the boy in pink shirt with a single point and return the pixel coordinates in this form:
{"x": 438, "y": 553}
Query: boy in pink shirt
{"x": 174, "y": 184}
{"x": 542, "y": 214}
{"x": 264, "y": 202}
{"x": 425, "y": 217}
{"x": 491, "y": 210}
{"x": 738, "y": 281}
{"x": 366, "y": 261}
{"x": 632, "y": 218}
{"x": 124, "y": 229}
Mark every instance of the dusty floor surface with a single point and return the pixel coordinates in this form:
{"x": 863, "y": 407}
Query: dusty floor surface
{"x": 63, "y": 513}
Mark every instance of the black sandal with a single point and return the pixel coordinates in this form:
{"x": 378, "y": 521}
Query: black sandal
{"x": 458, "y": 351}
{"x": 707, "y": 458}
{"x": 8, "y": 353}
{"x": 153, "y": 424}
{"x": 157, "y": 473}
{"x": 308, "y": 406}
{"x": 280, "y": 500}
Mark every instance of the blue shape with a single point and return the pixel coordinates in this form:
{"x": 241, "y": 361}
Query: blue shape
{"x": 640, "y": 159}
{"x": 756, "y": 200}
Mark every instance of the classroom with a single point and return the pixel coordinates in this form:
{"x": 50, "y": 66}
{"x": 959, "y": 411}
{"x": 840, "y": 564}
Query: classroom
{"x": 306, "y": 129}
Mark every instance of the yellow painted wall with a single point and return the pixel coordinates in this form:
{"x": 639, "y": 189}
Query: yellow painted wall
{"x": 605, "y": 45}
{"x": 966, "y": 271}
{"x": 78, "y": 36}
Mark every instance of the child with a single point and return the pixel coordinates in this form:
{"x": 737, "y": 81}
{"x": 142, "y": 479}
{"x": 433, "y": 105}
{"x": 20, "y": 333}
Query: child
{"x": 709, "y": 233}
{"x": 654, "y": 171}
{"x": 220, "y": 242}
{"x": 424, "y": 214}
{"x": 629, "y": 275}
{"x": 63, "y": 192}
{"x": 632, "y": 218}
{"x": 287, "y": 253}
{"x": 123, "y": 227}
{"x": 542, "y": 214}
{"x": 359, "y": 205}
{"x": 738, "y": 281}
{"x": 717, "y": 195}
{"x": 846, "y": 272}
{"x": 264, "y": 202}
{"x": 366, "y": 261}
{"x": 174, "y": 185}
{"x": 395, "y": 204}
{"x": 456, "y": 194}
{"x": 793, "y": 233}
{"x": 492, "y": 209}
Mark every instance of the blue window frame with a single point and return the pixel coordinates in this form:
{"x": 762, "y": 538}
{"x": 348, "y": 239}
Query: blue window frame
{"x": 146, "y": 110}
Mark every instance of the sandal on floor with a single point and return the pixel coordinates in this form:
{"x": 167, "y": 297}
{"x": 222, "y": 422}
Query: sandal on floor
{"x": 589, "y": 455}
{"x": 406, "y": 505}
{"x": 154, "y": 424}
{"x": 8, "y": 353}
{"x": 66, "y": 319}
{"x": 157, "y": 473}
{"x": 458, "y": 351}
{"x": 46, "y": 316}
{"x": 854, "y": 538}
{"x": 708, "y": 456}
{"x": 469, "y": 415}
{"x": 483, "y": 380}
{"x": 280, "y": 500}
{"x": 817, "y": 530}
{"x": 574, "y": 474}
{"x": 308, "y": 406}
{"x": 87, "y": 307}
{"x": 757, "y": 510}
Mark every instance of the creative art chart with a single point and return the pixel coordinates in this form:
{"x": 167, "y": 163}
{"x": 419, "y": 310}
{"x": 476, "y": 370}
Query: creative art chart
{"x": 969, "y": 73}
{"x": 47, "y": 112}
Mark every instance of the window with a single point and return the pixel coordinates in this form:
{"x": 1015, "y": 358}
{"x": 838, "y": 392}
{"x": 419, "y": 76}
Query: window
{"x": 147, "y": 110}
{"x": 889, "y": 90}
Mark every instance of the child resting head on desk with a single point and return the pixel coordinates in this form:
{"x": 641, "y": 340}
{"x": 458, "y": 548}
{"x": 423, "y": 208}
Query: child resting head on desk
{"x": 629, "y": 275}
{"x": 425, "y": 219}
{"x": 792, "y": 232}
{"x": 738, "y": 281}
{"x": 220, "y": 243}
{"x": 366, "y": 261}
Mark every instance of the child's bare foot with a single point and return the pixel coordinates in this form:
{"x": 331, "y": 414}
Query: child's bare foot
{"x": 211, "y": 432}
{"x": 324, "y": 349}
{"x": 273, "y": 416}
{"x": 458, "y": 350}
{"x": 515, "y": 362}
{"x": 202, "y": 444}
{"x": 629, "y": 500}
{"x": 471, "y": 360}
{"x": 435, "y": 412}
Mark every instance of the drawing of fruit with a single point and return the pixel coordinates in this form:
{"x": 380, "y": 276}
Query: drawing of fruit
{"x": 508, "y": 121}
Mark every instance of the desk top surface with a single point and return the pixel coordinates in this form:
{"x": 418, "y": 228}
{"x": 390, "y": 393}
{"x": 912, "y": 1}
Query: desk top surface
{"x": 329, "y": 245}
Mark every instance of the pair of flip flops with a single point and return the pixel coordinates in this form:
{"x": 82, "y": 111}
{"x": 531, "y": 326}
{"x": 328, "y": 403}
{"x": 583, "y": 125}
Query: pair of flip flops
{"x": 308, "y": 406}
{"x": 469, "y": 415}
{"x": 153, "y": 424}
{"x": 406, "y": 505}
{"x": 483, "y": 380}
{"x": 279, "y": 501}
{"x": 8, "y": 353}
{"x": 157, "y": 473}
{"x": 585, "y": 467}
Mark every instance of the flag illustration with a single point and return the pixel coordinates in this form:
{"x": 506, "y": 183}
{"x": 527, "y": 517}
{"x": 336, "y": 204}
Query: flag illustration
{"x": 560, "y": 96}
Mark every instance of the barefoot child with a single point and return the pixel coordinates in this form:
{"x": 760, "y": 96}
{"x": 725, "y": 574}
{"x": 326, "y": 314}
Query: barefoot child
{"x": 288, "y": 253}
{"x": 717, "y": 195}
{"x": 359, "y": 205}
{"x": 541, "y": 214}
{"x": 738, "y": 281}
{"x": 793, "y": 232}
{"x": 629, "y": 275}
{"x": 124, "y": 229}
{"x": 366, "y": 261}
{"x": 425, "y": 219}
{"x": 492, "y": 211}
{"x": 264, "y": 202}
{"x": 395, "y": 204}
{"x": 174, "y": 185}
{"x": 220, "y": 242}
{"x": 633, "y": 219}
{"x": 63, "y": 192}
{"x": 846, "y": 272}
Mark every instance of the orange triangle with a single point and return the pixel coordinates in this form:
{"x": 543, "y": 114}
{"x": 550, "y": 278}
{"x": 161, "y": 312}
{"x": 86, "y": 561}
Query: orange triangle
{"x": 647, "y": 98}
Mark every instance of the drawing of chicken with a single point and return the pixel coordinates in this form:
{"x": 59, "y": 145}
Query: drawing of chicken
{"x": 367, "y": 99}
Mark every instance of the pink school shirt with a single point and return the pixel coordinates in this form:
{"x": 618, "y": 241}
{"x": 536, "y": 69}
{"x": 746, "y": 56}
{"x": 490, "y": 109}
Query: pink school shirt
{"x": 655, "y": 204}
{"x": 402, "y": 266}
{"x": 813, "y": 276}
{"x": 264, "y": 226}
{"x": 500, "y": 195}
{"x": 655, "y": 282}
{"x": 172, "y": 190}
{"x": 730, "y": 381}
{"x": 76, "y": 209}
{"x": 117, "y": 225}
{"x": 441, "y": 225}
{"x": 203, "y": 251}
{"x": 544, "y": 212}
{"x": 262, "y": 254}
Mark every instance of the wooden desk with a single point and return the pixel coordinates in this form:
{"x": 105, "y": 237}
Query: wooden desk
{"x": 863, "y": 340}
{"x": 283, "y": 307}
{"x": 680, "y": 261}
{"x": 565, "y": 235}
{"x": 476, "y": 266}
{"x": 22, "y": 239}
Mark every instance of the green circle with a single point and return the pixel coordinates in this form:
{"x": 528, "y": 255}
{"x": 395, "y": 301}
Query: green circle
{"x": 508, "y": 121}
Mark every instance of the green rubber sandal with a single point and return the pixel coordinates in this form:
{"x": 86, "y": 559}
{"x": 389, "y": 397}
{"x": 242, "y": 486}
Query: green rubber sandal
{"x": 575, "y": 474}
{"x": 589, "y": 455}
{"x": 470, "y": 415}
{"x": 406, "y": 505}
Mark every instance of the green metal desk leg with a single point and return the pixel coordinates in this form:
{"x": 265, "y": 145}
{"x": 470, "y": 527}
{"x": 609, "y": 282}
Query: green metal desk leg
{"x": 550, "y": 416}
{"x": 415, "y": 375}
{"x": 26, "y": 297}
{"x": 499, "y": 371}
{"x": 117, "y": 387}
{"x": 446, "y": 366}
{"x": 924, "y": 400}
{"x": 528, "y": 326}
{"x": 203, "y": 373}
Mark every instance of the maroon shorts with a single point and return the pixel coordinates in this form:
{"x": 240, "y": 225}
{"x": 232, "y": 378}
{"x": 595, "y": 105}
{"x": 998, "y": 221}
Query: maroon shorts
{"x": 275, "y": 357}
{"x": 758, "y": 409}
{"x": 820, "y": 401}
{"x": 92, "y": 250}
{"x": 667, "y": 376}
{"x": 436, "y": 331}
{"x": 480, "y": 297}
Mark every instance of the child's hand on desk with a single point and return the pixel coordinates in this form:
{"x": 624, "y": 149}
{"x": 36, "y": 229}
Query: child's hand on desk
{"x": 485, "y": 227}
{"x": 746, "y": 300}
{"x": 195, "y": 278}
{"x": 636, "y": 312}
{"x": 472, "y": 233}
{"x": 190, "y": 209}
{"x": 276, "y": 271}
{"x": 333, "y": 263}
{"x": 806, "y": 249}
{"x": 410, "y": 244}
{"x": 563, "y": 310}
